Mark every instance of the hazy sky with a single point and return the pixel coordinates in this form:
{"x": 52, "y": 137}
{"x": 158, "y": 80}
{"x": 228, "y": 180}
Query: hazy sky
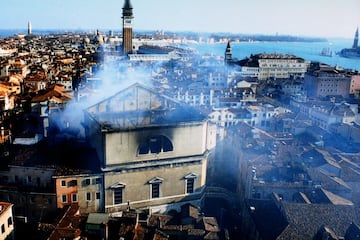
{"x": 337, "y": 18}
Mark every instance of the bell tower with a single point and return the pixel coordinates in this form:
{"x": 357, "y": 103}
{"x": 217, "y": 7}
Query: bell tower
{"x": 228, "y": 53}
{"x": 127, "y": 16}
{"x": 29, "y": 28}
{"x": 356, "y": 39}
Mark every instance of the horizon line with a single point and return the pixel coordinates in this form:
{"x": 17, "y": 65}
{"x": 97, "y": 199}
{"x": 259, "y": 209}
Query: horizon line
{"x": 89, "y": 30}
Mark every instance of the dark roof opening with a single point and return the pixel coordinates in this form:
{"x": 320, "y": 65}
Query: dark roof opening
{"x": 156, "y": 144}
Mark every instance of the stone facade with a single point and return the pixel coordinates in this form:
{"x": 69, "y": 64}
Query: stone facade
{"x": 6, "y": 221}
{"x": 327, "y": 81}
{"x": 29, "y": 189}
{"x": 280, "y": 66}
{"x": 153, "y": 150}
{"x": 355, "y": 86}
{"x": 83, "y": 189}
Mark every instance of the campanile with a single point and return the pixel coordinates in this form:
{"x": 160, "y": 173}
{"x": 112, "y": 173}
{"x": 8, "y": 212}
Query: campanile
{"x": 356, "y": 39}
{"x": 127, "y": 17}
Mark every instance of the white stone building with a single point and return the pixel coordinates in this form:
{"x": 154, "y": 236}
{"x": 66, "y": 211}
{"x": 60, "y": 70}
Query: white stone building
{"x": 281, "y": 66}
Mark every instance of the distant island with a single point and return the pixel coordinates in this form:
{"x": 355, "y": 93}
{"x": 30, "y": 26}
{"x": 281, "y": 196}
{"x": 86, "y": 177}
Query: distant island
{"x": 274, "y": 38}
{"x": 241, "y": 37}
{"x": 353, "y": 52}
{"x": 170, "y": 34}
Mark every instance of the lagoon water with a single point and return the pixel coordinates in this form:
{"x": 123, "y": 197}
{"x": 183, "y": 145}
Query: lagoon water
{"x": 310, "y": 51}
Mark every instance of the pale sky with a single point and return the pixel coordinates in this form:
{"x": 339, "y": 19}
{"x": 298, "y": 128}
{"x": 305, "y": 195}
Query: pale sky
{"x": 326, "y": 18}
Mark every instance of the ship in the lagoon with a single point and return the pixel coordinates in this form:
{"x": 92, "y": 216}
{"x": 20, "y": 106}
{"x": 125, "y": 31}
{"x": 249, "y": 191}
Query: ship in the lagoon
{"x": 353, "y": 52}
{"x": 327, "y": 52}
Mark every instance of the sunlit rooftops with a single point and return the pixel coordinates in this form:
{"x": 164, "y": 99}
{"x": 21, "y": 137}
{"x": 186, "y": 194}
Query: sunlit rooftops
{"x": 4, "y": 206}
{"x": 276, "y": 56}
{"x": 138, "y": 106}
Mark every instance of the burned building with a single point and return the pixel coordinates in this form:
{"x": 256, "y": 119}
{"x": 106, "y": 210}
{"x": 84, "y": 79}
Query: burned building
{"x": 153, "y": 150}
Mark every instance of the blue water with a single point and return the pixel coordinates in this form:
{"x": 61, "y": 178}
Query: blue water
{"x": 306, "y": 50}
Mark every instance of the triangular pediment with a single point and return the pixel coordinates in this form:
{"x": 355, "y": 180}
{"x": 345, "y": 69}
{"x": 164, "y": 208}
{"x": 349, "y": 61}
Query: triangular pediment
{"x": 191, "y": 176}
{"x": 137, "y": 97}
{"x": 139, "y": 106}
{"x": 156, "y": 180}
{"x": 118, "y": 185}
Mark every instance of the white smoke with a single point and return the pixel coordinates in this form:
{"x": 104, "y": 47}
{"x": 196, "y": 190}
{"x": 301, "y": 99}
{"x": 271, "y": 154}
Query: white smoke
{"x": 115, "y": 74}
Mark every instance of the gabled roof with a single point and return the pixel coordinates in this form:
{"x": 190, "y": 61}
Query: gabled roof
{"x": 68, "y": 227}
{"x": 139, "y": 106}
{"x": 328, "y": 182}
{"x": 353, "y": 232}
{"x": 210, "y": 224}
{"x": 306, "y": 219}
{"x": 335, "y": 199}
{"x": 54, "y": 93}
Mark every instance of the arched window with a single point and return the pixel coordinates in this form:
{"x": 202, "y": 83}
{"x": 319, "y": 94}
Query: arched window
{"x": 156, "y": 144}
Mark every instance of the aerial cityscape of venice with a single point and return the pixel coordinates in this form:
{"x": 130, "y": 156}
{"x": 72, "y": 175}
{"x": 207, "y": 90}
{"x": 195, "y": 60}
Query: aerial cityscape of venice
{"x": 180, "y": 120}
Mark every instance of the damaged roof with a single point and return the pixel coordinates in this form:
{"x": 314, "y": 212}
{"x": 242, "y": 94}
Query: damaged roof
{"x": 139, "y": 106}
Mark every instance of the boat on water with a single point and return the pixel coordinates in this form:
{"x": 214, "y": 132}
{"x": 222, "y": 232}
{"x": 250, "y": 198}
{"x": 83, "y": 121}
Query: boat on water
{"x": 327, "y": 52}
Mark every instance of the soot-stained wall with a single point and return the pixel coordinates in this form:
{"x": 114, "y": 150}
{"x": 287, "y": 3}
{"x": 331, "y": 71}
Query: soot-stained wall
{"x": 187, "y": 140}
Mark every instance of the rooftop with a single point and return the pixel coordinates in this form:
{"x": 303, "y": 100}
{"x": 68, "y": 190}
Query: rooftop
{"x": 66, "y": 158}
{"x": 276, "y": 56}
{"x": 4, "y": 206}
{"x": 139, "y": 106}
{"x": 337, "y": 217}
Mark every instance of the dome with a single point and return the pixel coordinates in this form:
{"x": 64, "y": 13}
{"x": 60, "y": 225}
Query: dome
{"x": 87, "y": 40}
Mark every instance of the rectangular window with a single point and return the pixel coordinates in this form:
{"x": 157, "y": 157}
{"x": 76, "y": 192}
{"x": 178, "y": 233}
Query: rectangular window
{"x": 63, "y": 183}
{"x": 64, "y": 198}
{"x": 2, "y": 228}
{"x": 10, "y": 221}
{"x": 97, "y": 180}
{"x": 118, "y": 195}
{"x": 190, "y": 185}
{"x": 87, "y": 181}
{"x": 74, "y": 197}
{"x": 73, "y": 183}
{"x": 97, "y": 195}
{"x": 29, "y": 179}
{"x": 88, "y": 196}
{"x": 155, "y": 190}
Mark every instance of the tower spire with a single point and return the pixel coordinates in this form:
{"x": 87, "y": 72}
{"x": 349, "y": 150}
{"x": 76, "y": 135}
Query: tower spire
{"x": 356, "y": 38}
{"x": 127, "y": 9}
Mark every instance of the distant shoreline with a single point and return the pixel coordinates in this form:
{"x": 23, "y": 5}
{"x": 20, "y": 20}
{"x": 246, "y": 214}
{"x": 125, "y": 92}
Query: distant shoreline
{"x": 191, "y": 35}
